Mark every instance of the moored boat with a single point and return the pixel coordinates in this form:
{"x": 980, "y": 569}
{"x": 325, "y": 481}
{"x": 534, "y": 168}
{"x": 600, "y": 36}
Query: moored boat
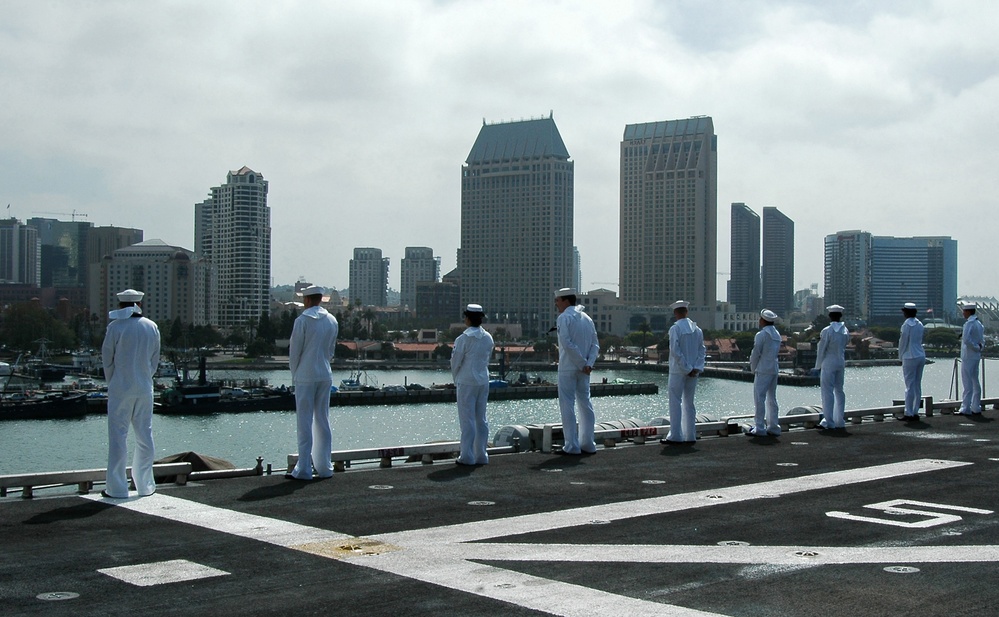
{"x": 211, "y": 398}
{"x": 50, "y": 406}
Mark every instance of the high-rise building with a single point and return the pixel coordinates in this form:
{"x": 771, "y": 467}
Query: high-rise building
{"x": 20, "y": 253}
{"x": 921, "y": 270}
{"x": 744, "y": 284}
{"x": 577, "y": 270}
{"x": 516, "y": 222}
{"x": 232, "y": 233}
{"x": 418, "y": 266}
{"x": 169, "y": 276}
{"x": 369, "y": 277}
{"x": 64, "y": 251}
{"x": 848, "y": 272}
{"x": 103, "y": 242}
{"x": 778, "y": 262}
{"x": 668, "y": 235}
{"x": 438, "y": 303}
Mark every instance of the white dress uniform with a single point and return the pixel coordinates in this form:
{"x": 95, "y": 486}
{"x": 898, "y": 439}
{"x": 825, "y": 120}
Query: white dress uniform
{"x": 686, "y": 353}
{"x": 130, "y": 355}
{"x": 972, "y": 345}
{"x": 910, "y": 352}
{"x": 313, "y": 343}
{"x": 831, "y": 360}
{"x": 577, "y": 349}
{"x": 470, "y": 370}
{"x": 763, "y": 363}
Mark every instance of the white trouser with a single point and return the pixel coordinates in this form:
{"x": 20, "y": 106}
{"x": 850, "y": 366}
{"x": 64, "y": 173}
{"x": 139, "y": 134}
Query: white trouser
{"x": 912, "y": 374}
{"x": 472, "y": 421}
{"x": 137, "y": 412}
{"x": 971, "y": 384}
{"x": 765, "y": 397}
{"x": 315, "y": 438}
{"x": 682, "y": 415}
{"x": 573, "y": 392}
{"x": 833, "y": 397}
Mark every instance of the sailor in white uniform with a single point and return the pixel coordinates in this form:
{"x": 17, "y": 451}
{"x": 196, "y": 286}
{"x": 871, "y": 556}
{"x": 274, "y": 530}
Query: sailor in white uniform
{"x": 910, "y": 352}
{"x": 830, "y": 359}
{"x": 313, "y": 343}
{"x": 470, "y": 371}
{"x": 577, "y": 353}
{"x": 130, "y": 355}
{"x": 763, "y": 363}
{"x": 687, "y": 355}
{"x": 972, "y": 346}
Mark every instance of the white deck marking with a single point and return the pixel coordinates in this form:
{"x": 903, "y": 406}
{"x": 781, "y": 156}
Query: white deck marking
{"x": 251, "y": 526}
{"x": 443, "y": 555}
{"x": 932, "y": 519}
{"x": 162, "y": 572}
{"x": 684, "y": 553}
{"x": 545, "y": 521}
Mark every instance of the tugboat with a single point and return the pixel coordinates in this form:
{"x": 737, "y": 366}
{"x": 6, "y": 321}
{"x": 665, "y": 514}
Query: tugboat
{"x": 202, "y": 398}
{"x": 39, "y": 368}
{"x": 28, "y": 405}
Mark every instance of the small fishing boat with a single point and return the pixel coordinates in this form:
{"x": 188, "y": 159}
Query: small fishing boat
{"x": 48, "y": 406}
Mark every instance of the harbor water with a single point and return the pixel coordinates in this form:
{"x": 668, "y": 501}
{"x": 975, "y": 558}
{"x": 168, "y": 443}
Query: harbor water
{"x": 51, "y": 445}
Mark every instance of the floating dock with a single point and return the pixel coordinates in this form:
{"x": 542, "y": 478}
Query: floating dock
{"x": 508, "y": 393}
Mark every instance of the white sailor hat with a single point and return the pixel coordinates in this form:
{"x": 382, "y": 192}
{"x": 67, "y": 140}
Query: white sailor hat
{"x": 679, "y": 304}
{"x": 130, "y": 295}
{"x": 834, "y": 308}
{"x": 769, "y": 315}
{"x": 312, "y": 290}
{"x": 968, "y": 305}
{"x": 909, "y": 305}
{"x": 565, "y": 291}
{"x": 474, "y": 308}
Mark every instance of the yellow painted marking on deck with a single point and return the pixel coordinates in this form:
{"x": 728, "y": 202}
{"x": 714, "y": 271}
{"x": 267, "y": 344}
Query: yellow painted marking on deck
{"x": 342, "y": 549}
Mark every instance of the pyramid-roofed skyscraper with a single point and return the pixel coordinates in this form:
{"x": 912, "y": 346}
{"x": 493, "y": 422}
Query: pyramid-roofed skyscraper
{"x": 516, "y": 222}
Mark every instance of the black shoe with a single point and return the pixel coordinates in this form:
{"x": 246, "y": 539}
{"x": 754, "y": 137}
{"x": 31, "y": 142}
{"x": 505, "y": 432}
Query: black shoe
{"x": 108, "y": 496}
{"x": 288, "y": 476}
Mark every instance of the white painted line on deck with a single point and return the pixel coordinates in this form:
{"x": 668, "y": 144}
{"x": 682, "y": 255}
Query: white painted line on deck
{"x": 162, "y": 572}
{"x": 444, "y": 555}
{"x": 250, "y": 526}
{"x": 685, "y": 553}
{"x": 546, "y": 521}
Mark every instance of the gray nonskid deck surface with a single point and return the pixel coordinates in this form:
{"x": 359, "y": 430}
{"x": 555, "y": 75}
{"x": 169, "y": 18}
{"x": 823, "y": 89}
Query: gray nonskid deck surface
{"x": 887, "y": 519}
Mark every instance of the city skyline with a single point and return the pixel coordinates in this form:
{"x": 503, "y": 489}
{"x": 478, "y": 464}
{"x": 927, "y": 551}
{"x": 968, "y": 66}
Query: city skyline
{"x": 835, "y": 113}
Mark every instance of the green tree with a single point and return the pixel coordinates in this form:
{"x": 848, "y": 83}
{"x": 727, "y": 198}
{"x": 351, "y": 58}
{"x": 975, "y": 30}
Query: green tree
{"x": 342, "y": 351}
{"x": 886, "y": 333}
{"x": 288, "y": 323}
{"x": 23, "y": 324}
{"x": 745, "y": 341}
{"x": 259, "y": 347}
{"x": 267, "y": 329}
{"x": 943, "y": 338}
{"x": 442, "y": 352}
{"x": 176, "y": 335}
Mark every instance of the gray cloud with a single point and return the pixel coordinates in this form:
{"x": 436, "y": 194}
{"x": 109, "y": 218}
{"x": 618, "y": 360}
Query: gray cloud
{"x": 844, "y": 115}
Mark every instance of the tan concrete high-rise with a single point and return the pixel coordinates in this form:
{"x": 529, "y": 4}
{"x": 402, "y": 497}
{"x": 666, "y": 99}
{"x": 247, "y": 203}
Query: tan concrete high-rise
{"x": 418, "y": 266}
{"x": 232, "y": 232}
{"x": 669, "y": 204}
{"x": 169, "y": 275}
{"x": 516, "y": 222}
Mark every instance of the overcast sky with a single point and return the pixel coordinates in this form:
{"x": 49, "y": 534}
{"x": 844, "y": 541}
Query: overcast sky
{"x": 878, "y": 116}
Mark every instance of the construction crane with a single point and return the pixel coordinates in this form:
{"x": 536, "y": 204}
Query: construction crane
{"x": 72, "y": 214}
